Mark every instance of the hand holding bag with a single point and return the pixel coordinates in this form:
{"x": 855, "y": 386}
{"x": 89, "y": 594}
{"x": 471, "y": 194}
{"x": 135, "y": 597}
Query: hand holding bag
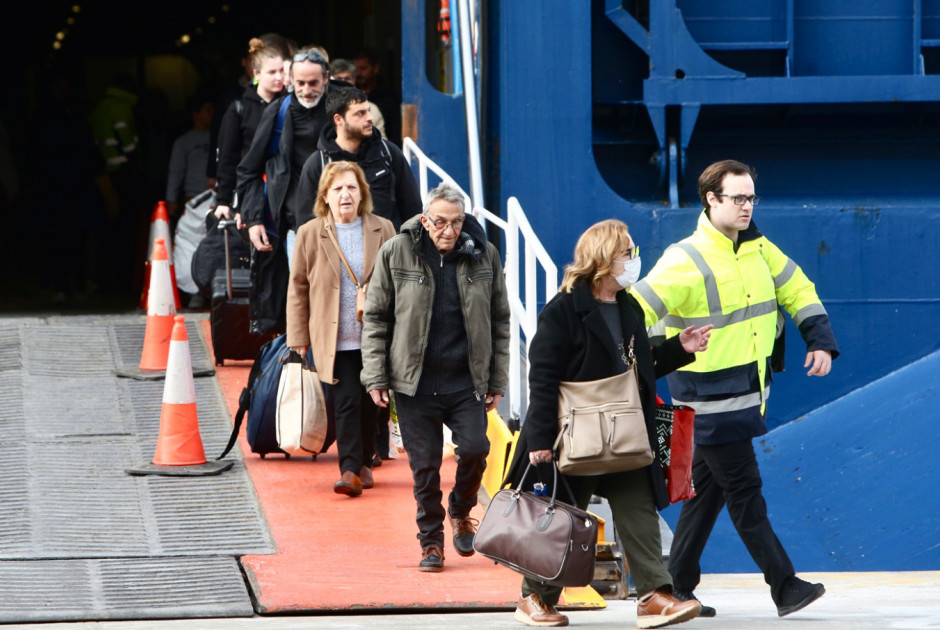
{"x": 301, "y": 418}
{"x": 539, "y": 537}
{"x": 675, "y": 436}
{"x": 601, "y": 426}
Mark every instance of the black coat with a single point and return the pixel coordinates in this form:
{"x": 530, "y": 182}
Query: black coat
{"x": 235, "y": 134}
{"x": 573, "y": 343}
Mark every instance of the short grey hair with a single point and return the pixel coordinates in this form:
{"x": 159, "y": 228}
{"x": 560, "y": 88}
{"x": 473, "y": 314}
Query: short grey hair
{"x": 445, "y": 192}
{"x": 343, "y": 65}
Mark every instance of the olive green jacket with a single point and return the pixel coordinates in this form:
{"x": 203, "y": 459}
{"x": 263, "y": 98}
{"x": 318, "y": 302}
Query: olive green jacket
{"x": 397, "y": 316}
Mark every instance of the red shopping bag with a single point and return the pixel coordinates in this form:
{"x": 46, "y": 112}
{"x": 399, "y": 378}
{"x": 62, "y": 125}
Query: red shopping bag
{"x": 674, "y": 434}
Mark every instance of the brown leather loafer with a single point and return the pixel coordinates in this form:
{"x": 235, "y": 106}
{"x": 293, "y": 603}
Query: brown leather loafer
{"x": 532, "y": 611}
{"x": 658, "y": 609}
{"x": 349, "y": 484}
{"x": 368, "y": 481}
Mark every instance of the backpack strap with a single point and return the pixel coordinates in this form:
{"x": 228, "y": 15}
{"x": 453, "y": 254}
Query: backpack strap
{"x": 244, "y": 402}
{"x": 279, "y": 126}
{"x": 386, "y": 154}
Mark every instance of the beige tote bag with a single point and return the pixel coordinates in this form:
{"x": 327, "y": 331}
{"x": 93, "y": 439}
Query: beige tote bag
{"x": 301, "y": 409}
{"x": 601, "y": 427}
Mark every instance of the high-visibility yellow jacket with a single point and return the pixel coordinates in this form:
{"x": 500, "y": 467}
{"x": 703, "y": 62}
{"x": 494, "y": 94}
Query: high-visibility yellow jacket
{"x": 708, "y": 279}
{"x": 112, "y": 123}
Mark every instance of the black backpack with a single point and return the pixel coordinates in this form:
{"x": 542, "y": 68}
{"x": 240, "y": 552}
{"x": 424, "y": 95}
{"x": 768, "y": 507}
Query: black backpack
{"x": 259, "y": 400}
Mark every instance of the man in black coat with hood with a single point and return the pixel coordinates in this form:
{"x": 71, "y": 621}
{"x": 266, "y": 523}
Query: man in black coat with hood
{"x": 352, "y": 138}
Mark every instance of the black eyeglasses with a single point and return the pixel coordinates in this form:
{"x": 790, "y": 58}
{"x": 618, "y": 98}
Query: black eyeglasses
{"x": 739, "y": 200}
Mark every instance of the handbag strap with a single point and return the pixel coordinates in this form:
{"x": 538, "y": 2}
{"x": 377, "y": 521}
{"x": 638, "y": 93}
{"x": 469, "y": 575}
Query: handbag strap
{"x": 551, "y": 504}
{"x": 331, "y": 231}
{"x": 629, "y": 358}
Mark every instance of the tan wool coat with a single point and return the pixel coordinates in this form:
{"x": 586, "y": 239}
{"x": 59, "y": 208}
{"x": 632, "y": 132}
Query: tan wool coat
{"x": 314, "y": 288}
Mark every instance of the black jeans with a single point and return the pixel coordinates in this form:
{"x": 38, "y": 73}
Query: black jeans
{"x": 726, "y": 474}
{"x": 355, "y": 413}
{"x": 422, "y": 419}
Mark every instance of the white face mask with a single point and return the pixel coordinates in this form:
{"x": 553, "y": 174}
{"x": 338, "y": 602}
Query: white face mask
{"x": 630, "y": 274}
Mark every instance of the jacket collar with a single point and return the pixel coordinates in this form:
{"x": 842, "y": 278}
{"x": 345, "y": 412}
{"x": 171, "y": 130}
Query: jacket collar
{"x": 586, "y": 306}
{"x": 709, "y": 232}
{"x": 372, "y": 241}
{"x": 471, "y": 242}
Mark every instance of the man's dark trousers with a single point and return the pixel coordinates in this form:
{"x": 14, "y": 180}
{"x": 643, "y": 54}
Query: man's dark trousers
{"x": 421, "y": 419}
{"x": 726, "y": 473}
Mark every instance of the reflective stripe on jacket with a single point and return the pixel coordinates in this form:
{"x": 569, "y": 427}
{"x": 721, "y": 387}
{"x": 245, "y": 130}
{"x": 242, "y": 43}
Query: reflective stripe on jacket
{"x": 704, "y": 280}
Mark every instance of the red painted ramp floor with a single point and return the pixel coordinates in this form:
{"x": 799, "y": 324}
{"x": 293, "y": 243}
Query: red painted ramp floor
{"x": 341, "y": 553}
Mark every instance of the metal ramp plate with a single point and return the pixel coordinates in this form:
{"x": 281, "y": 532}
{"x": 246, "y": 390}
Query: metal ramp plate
{"x": 131, "y": 547}
{"x": 130, "y": 588}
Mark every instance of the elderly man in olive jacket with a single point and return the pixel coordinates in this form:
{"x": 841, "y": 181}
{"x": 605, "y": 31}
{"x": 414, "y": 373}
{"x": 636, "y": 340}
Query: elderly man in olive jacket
{"x": 436, "y": 331}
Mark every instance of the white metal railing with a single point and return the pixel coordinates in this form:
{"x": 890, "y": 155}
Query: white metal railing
{"x": 524, "y": 254}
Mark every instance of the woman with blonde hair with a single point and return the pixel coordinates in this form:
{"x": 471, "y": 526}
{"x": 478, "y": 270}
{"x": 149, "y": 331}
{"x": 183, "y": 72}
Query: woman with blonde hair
{"x": 586, "y": 333}
{"x": 334, "y": 254}
{"x": 243, "y": 115}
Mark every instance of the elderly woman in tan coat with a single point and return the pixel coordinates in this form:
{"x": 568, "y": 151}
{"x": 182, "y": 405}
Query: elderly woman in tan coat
{"x": 333, "y": 255}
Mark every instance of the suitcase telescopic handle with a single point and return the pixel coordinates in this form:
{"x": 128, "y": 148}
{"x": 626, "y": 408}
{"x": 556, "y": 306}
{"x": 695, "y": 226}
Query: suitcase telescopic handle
{"x": 224, "y": 225}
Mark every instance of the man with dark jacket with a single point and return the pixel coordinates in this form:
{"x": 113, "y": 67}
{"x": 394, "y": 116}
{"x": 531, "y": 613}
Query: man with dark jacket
{"x": 353, "y": 138}
{"x": 267, "y": 183}
{"x": 436, "y": 331}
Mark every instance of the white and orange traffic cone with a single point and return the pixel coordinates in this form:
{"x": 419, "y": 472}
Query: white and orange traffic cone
{"x": 161, "y": 309}
{"x": 179, "y": 449}
{"x": 159, "y": 228}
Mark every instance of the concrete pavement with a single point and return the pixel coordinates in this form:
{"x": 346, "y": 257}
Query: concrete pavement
{"x": 855, "y": 601}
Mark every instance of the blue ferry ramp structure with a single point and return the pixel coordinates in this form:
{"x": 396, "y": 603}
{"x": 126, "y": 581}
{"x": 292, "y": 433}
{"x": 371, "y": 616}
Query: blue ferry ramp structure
{"x": 851, "y": 486}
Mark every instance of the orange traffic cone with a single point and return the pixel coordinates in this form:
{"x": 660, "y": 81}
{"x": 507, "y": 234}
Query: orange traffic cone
{"x": 160, "y": 312}
{"x": 179, "y": 443}
{"x": 179, "y": 446}
{"x": 159, "y": 228}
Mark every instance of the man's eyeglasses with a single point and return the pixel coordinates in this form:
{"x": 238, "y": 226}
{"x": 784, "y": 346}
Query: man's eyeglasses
{"x": 739, "y": 200}
{"x": 441, "y": 224}
{"x": 632, "y": 253}
{"x": 311, "y": 55}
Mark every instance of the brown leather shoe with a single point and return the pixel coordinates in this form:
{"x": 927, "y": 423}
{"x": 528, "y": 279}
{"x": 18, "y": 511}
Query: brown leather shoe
{"x": 532, "y": 611}
{"x": 368, "y": 481}
{"x": 658, "y": 609}
{"x": 464, "y": 531}
{"x": 349, "y": 484}
{"x": 432, "y": 560}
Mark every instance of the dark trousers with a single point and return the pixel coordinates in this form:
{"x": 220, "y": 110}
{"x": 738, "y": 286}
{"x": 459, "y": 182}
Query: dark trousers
{"x": 355, "y": 413}
{"x": 422, "y": 419}
{"x": 726, "y": 474}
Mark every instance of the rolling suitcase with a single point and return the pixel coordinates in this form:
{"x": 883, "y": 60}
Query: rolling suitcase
{"x": 231, "y": 338}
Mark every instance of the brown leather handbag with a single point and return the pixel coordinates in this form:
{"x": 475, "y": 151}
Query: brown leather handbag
{"x": 539, "y": 537}
{"x": 601, "y": 426}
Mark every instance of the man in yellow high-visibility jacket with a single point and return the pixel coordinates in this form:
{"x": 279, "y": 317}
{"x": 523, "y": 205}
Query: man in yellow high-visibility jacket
{"x": 729, "y": 275}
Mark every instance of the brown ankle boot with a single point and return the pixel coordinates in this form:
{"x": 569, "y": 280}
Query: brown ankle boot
{"x": 349, "y": 484}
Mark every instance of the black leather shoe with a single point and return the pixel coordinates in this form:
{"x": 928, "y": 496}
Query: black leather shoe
{"x": 796, "y": 594}
{"x": 684, "y": 596}
{"x": 464, "y": 531}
